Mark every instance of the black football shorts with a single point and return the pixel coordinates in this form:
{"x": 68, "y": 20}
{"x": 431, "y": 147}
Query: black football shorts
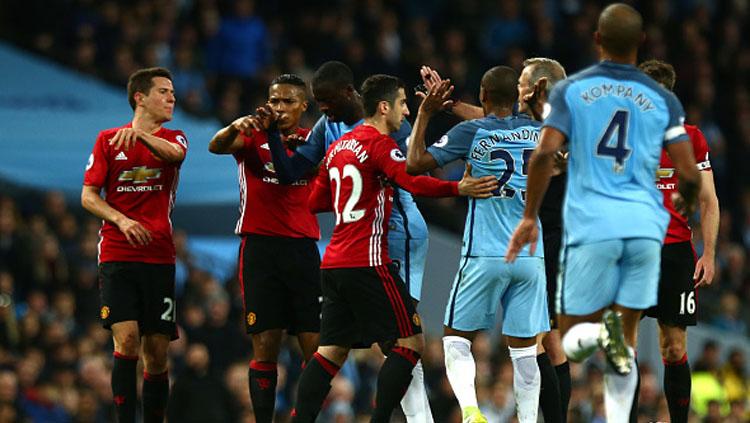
{"x": 364, "y": 305}
{"x": 552, "y": 241}
{"x": 143, "y": 292}
{"x": 677, "y": 302}
{"x": 280, "y": 283}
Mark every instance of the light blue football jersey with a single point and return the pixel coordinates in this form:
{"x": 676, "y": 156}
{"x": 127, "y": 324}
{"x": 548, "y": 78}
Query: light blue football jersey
{"x": 406, "y": 220}
{"x": 500, "y": 147}
{"x": 616, "y": 120}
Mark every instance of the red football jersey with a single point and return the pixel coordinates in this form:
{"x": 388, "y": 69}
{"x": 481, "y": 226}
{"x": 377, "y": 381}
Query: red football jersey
{"x": 140, "y": 186}
{"x": 266, "y": 206}
{"x": 666, "y": 181}
{"x": 352, "y": 183}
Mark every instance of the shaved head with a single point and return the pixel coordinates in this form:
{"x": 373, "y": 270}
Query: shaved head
{"x": 500, "y": 86}
{"x": 620, "y": 29}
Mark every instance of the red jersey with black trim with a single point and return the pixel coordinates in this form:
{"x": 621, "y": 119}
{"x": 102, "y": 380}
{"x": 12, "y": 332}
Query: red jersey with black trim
{"x": 266, "y": 206}
{"x": 666, "y": 180}
{"x": 355, "y": 183}
{"x": 140, "y": 186}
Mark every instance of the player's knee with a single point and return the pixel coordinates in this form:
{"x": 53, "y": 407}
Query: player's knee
{"x": 414, "y": 343}
{"x": 127, "y": 343}
{"x": 266, "y": 346}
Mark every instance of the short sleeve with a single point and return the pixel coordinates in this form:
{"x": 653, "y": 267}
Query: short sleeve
{"x": 248, "y": 146}
{"x": 181, "y": 140}
{"x": 675, "y": 131}
{"x": 559, "y": 116}
{"x": 314, "y": 147}
{"x": 700, "y": 148}
{"x": 97, "y": 166}
{"x": 455, "y": 144}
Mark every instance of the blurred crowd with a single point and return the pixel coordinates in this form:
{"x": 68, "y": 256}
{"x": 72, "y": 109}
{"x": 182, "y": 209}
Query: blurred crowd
{"x": 56, "y": 359}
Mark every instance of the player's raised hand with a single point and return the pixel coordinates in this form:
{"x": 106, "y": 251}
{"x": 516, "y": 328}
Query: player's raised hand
{"x": 294, "y": 140}
{"x": 526, "y": 232}
{"x": 243, "y": 124}
{"x": 135, "y": 233}
{"x": 265, "y": 116}
{"x": 704, "y": 271}
{"x": 437, "y": 98}
{"x": 476, "y": 187}
{"x": 125, "y": 138}
{"x": 430, "y": 77}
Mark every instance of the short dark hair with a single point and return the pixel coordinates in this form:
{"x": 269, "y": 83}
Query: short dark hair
{"x": 333, "y": 73}
{"x": 379, "y": 88}
{"x": 291, "y": 79}
{"x": 141, "y": 81}
{"x": 620, "y": 28}
{"x": 501, "y": 85}
{"x": 661, "y": 72}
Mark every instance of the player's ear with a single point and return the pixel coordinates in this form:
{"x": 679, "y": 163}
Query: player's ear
{"x": 304, "y": 105}
{"x": 597, "y": 38}
{"x": 384, "y": 107}
{"x": 138, "y": 97}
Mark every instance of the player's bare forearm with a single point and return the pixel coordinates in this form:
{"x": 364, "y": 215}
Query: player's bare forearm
{"x": 226, "y": 141}
{"x": 163, "y": 149}
{"x": 709, "y": 212}
{"x": 418, "y": 160}
{"x": 467, "y": 111}
{"x": 95, "y": 204}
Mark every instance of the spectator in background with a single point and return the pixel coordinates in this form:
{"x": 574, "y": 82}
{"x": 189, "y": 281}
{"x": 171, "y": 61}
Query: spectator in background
{"x": 239, "y": 49}
{"x": 729, "y": 317}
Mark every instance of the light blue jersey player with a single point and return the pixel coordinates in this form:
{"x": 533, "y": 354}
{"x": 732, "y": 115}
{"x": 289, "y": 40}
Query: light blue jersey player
{"x": 615, "y": 120}
{"x": 407, "y": 235}
{"x": 499, "y": 144}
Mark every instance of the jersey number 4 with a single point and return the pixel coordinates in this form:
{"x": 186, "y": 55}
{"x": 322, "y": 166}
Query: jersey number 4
{"x": 619, "y": 151}
{"x": 504, "y": 191}
{"x": 348, "y": 215}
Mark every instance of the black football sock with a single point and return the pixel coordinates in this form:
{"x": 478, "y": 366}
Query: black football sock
{"x": 563, "y": 380}
{"x": 123, "y": 387}
{"x": 677, "y": 386}
{"x": 262, "y": 377}
{"x": 314, "y": 384}
{"x": 393, "y": 380}
{"x": 155, "y": 394}
{"x": 549, "y": 394}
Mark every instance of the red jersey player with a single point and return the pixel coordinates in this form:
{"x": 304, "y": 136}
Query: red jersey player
{"x": 364, "y": 299}
{"x": 680, "y": 273}
{"x": 279, "y": 267}
{"x": 138, "y": 165}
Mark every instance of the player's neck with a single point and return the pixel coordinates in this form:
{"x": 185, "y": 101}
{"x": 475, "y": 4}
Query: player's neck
{"x": 378, "y": 124}
{"x": 627, "y": 59}
{"x": 290, "y": 131}
{"x": 498, "y": 111}
{"x": 146, "y": 123}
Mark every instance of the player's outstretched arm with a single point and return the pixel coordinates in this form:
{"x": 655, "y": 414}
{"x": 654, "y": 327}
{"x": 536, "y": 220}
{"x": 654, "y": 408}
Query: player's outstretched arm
{"x": 167, "y": 151}
{"x": 689, "y": 178}
{"x": 289, "y": 169}
{"x": 541, "y": 167}
{"x": 228, "y": 139}
{"x": 418, "y": 159}
{"x": 709, "y": 212}
{"x": 430, "y": 78}
{"x": 95, "y": 204}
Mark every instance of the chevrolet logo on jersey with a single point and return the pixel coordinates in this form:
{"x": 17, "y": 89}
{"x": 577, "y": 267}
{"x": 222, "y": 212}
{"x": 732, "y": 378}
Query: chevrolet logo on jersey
{"x": 664, "y": 173}
{"x": 139, "y": 175}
